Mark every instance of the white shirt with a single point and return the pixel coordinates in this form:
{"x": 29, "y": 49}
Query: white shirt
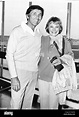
{"x": 23, "y": 49}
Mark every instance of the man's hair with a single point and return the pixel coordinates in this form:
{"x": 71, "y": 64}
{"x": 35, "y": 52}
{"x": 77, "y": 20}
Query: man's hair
{"x": 54, "y": 19}
{"x": 32, "y": 7}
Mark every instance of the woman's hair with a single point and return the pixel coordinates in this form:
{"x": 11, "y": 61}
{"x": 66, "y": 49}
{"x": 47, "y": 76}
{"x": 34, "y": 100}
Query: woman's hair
{"x": 54, "y": 19}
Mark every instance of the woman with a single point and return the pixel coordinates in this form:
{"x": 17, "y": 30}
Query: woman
{"x": 52, "y": 48}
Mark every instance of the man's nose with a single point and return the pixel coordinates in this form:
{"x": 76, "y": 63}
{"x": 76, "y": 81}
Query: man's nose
{"x": 37, "y": 16}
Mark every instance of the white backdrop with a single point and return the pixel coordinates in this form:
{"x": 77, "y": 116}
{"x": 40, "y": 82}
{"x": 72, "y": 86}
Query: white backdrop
{"x": 15, "y": 14}
{"x": 75, "y": 20}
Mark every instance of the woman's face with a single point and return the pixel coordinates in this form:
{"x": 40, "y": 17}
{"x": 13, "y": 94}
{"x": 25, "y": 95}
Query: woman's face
{"x": 53, "y": 28}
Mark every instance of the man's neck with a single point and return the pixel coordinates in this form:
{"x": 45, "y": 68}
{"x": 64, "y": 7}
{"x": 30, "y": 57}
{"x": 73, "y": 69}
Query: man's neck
{"x": 30, "y": 25}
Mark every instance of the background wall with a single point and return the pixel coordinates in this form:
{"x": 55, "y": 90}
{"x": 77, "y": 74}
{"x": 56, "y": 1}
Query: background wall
{"x": 0, "y": 15}
{"x": 75, "y": 20}
{"x": 15, "y": 14}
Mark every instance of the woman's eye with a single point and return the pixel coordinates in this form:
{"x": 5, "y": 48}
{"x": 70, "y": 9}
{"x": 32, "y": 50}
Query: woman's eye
{"x": 57, "y": 27}
{"x": 51, "y": 27}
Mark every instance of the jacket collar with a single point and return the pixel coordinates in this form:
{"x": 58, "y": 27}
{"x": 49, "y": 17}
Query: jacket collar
{"x": 26, "y": 28}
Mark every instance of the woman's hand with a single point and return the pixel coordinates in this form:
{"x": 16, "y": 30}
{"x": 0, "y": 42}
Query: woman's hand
{"x": 58, "y": 65}
{"x": 56, "y": 62}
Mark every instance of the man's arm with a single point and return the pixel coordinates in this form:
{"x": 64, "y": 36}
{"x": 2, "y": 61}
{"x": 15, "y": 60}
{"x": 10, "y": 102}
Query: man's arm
{"x": 11, "y": 48}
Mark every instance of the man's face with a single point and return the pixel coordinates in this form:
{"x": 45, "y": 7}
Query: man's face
{"x": 54, "y": 28}
{"x": 35, "y": 17}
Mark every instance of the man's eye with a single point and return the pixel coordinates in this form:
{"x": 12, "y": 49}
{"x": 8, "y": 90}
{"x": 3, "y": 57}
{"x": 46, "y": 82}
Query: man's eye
{"x": 51, "y": 26}
{"x": 34, "y": 13}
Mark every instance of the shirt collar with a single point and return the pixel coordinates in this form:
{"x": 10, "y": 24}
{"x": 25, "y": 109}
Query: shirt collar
{"x": 27, "y": 28}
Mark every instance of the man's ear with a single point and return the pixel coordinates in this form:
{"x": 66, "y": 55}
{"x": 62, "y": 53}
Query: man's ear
{"x": 27, "y": 17}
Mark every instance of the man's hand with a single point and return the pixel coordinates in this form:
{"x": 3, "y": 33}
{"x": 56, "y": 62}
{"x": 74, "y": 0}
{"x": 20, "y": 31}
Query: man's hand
{"x": 15, "y": 84}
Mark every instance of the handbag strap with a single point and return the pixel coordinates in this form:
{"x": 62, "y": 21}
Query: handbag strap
{"x": 63, "y": 45}
{"x": 57, "y": 47}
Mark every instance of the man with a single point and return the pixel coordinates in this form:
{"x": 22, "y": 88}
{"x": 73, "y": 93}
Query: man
{"x": 23, "y": 55}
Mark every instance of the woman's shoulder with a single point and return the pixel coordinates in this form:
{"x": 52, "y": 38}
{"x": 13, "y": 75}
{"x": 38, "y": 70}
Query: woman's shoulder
{"x": 65, "y": 39}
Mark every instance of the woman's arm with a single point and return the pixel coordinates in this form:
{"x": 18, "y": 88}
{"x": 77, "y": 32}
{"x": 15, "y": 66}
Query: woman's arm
{"x": 68, "y": 49}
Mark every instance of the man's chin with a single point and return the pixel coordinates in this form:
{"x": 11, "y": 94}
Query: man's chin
{"x": 35, "y": 24}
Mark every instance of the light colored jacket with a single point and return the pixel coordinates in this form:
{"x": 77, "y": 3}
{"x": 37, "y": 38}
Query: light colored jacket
{"x": 23, "y": 49}
{"x": 65, "y": 81}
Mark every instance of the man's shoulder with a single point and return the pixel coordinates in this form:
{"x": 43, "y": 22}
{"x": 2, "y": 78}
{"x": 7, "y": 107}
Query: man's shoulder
{"x": 17, "y": 28}
{"x": 16, "y": 31}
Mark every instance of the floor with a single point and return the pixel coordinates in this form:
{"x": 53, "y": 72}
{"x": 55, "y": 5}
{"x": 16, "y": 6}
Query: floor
{"x": 5, "y": 100}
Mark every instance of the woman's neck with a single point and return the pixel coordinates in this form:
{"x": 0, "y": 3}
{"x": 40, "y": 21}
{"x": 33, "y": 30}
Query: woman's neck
{"x": 52, "y": 39}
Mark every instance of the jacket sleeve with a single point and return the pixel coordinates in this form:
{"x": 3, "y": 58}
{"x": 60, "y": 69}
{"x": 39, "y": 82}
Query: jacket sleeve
{"x": 11, "y": 48}
{"x": 68, "y": 49}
